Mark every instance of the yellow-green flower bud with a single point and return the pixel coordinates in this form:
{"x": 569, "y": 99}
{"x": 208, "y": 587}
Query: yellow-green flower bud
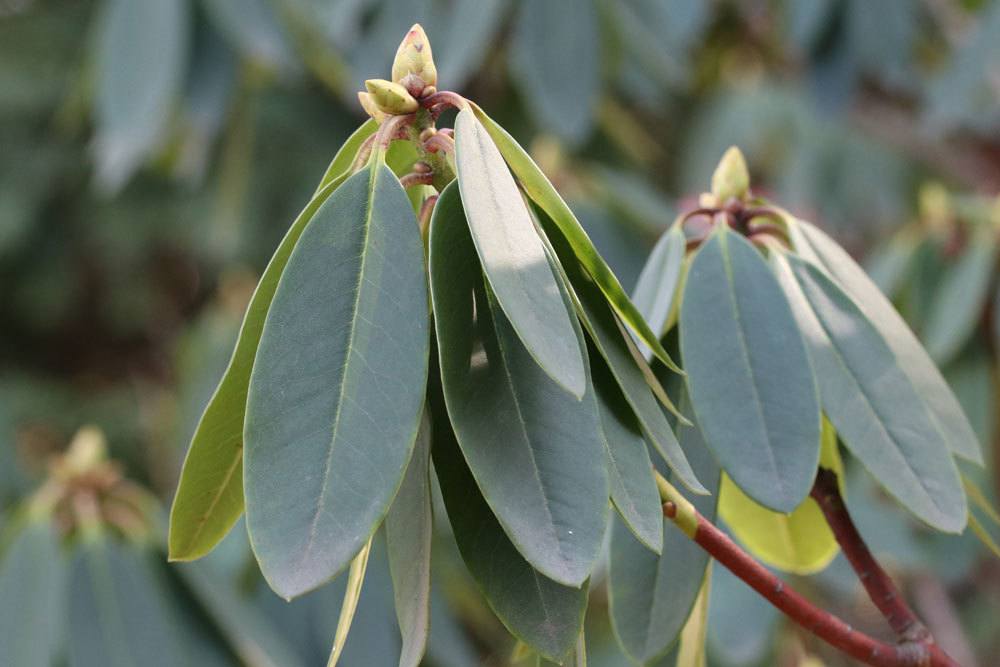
{"x": 731, "y": 178}
{"x": 391, "y": 98}
{"x": 368, "y": 104}
{"x": 414, "y": 67}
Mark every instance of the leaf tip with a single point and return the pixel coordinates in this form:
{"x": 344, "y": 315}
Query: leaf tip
{"x": 731, "y": 179}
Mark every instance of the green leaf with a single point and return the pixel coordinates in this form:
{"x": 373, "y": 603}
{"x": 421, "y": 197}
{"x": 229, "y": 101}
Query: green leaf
{"x": 254, "y": 30}
{"x": 338, "y": 384}
{"x": 749, "y": 376}
{"x": 870, "y": 400}
{"x": 657, "y": 290}
{"x": 625, "y": 362}
{"x": 889, "y": 265}
{"x": 651, "y": 596}
{"x": 32, "y": 589}
{"x": 140, "y": 66}
{"x": 555, "y": 55}
{"x": 117, "y": 615}
{"x": 633, "y": 488}
{"x": 535, "y": 451}
{"x": 349, "y": 605}
{"x": 540, "y": 612}
{"x": 959, "y": 300}
{"x": 541, "y": 191}
{"x": 513, "y": 256}
{"x": 800, "y": 542}
{"x": 408, "y": 530}
{"x": 341, "y": 163}
{"x": 209, "y": 497}
{"x": 947, "y": 414}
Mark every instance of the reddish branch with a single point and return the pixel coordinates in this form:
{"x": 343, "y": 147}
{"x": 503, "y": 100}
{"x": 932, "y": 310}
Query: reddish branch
{"x": 823, "y": 624}
{"x": 880, "y": 587}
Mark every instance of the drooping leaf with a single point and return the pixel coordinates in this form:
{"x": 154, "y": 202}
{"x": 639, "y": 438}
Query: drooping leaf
{"x": 741, "y": 623}
{"x": 140, "y": 66}
{"x": 513, "y": 256}
{"x": 408, "y": 531}
{"x": 889, "y": 264}
{"x": 690, "y": 649}
{"x": 958, "y": 302}
{"x": 800, "y": 542}
{"x": 651, "y": 596}
{"x": 541, "y": 191}
{"x": 337, "y": 385}
{"x": 117, "y": 617}
{"x": 32, "y": 591}
{"x": 627, "y": 366}
{"x": 630, "y": 472}
{"x": 546, "y": 615}
{"x": 816, "y": 246}
{"x": 749, "y": 377}
{"x": 349, "y": 605}
{"x": 459, "y": 47}
{"x": 657, "y": 291}
{"x": 254, "y": 30}
{"x": 555, "y": 54}
{"x": 209, "y": 497}
{"x": 535, "y": 450}
{"x": 870, "y": 400}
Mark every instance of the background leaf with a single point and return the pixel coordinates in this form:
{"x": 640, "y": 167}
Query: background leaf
{"x": 657, "y": 292}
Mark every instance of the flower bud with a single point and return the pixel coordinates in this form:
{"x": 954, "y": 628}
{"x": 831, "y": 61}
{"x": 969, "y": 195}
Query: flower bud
{"x": 391, "y": 98}
{"x": 368, "y": 104}
{"x": 731, "y": 178}
{"x": 414, "y": 67}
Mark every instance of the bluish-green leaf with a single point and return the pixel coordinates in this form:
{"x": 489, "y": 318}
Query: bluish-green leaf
{"x": 408, "y": 531}
{"x": 513, "y": 256}
{"x": 253, "y": 28}
{"x": 209, "y": 498}
{"x": 748, "y": 373}
{"x": 889, "y": 265}
{"x": 651, "y": 596}
{"x": 555, "y": 54}
{"x": 544, "y": 614}
{"x": 534, "y": 449}
{"x": 870, "y": 400}
{"x": 657, "y": 292}
{"x": 816, "y": 246}
{"x": 338, "y": 383}
{"x": 541, "y": 191}
{"x": 958, "y": 302}
{"x": 32, "y": 592}
{"x": 117, "y": 617}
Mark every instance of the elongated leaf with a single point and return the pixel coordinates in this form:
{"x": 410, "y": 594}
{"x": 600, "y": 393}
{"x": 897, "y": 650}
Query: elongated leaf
{"x": 651, "y": 596}
{"x": 657, "y": 291}
{"x": 32, "y": 591}
{"x": 461, "y": 46}
{"x": 140, "y": 66}
{"x": 337, "y": 385}
{"x": 958, "y": 302}
{"x": 630, "y": 472}
{"x": 209, "y": 497}
{"x": 513, "y": 256}
{"x": 555, "y": 54}
{"x": 889, "y": 265}
{"x": 983, "y": 536}
{"x": 408, "y": 531}
{"x": 255, "y": 641}
{"x": 870, "y": 400}
{"x": 541, "y": 191}
{"x": 542, "y": 613}
{"x": 535, "y": 451}
{"x": 349, "y": 605}
{"x": 254, "y": 30}
{"x": 626, "y": 364}
{"x": 800, "y": 542}
{"x": 342, "y": 161}
{"x": 116, "y": 615}
{"x": 816, "y": 246}
{"x": 749, "y": 377}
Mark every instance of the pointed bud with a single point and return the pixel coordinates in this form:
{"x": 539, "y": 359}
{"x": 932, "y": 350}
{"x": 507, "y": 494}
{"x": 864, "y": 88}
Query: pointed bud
{"x": 391, "y": 98}
{"x": 368, "y": 104}
{"x": 731, "y": 178}
{"x": 414, "y": 64}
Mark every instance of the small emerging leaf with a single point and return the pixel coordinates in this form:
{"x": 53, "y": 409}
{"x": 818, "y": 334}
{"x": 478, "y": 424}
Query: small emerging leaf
{"x": 355, "y": 580}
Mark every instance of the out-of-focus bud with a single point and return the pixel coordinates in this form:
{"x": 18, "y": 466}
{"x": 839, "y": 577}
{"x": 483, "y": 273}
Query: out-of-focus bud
{"x": 934, "y": 206}
{"x": 368, "y": 104}
{"x": 391, "y": 98}
{"x": 731, "y": 178}
{"x": 414, "y": 67}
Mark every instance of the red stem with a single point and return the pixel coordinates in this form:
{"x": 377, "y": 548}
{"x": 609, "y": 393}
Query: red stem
{"x": 880, "y": 587}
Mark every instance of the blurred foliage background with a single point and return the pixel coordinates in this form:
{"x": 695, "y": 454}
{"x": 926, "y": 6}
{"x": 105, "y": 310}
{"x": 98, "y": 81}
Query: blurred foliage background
{"x": 153, "y": 152}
